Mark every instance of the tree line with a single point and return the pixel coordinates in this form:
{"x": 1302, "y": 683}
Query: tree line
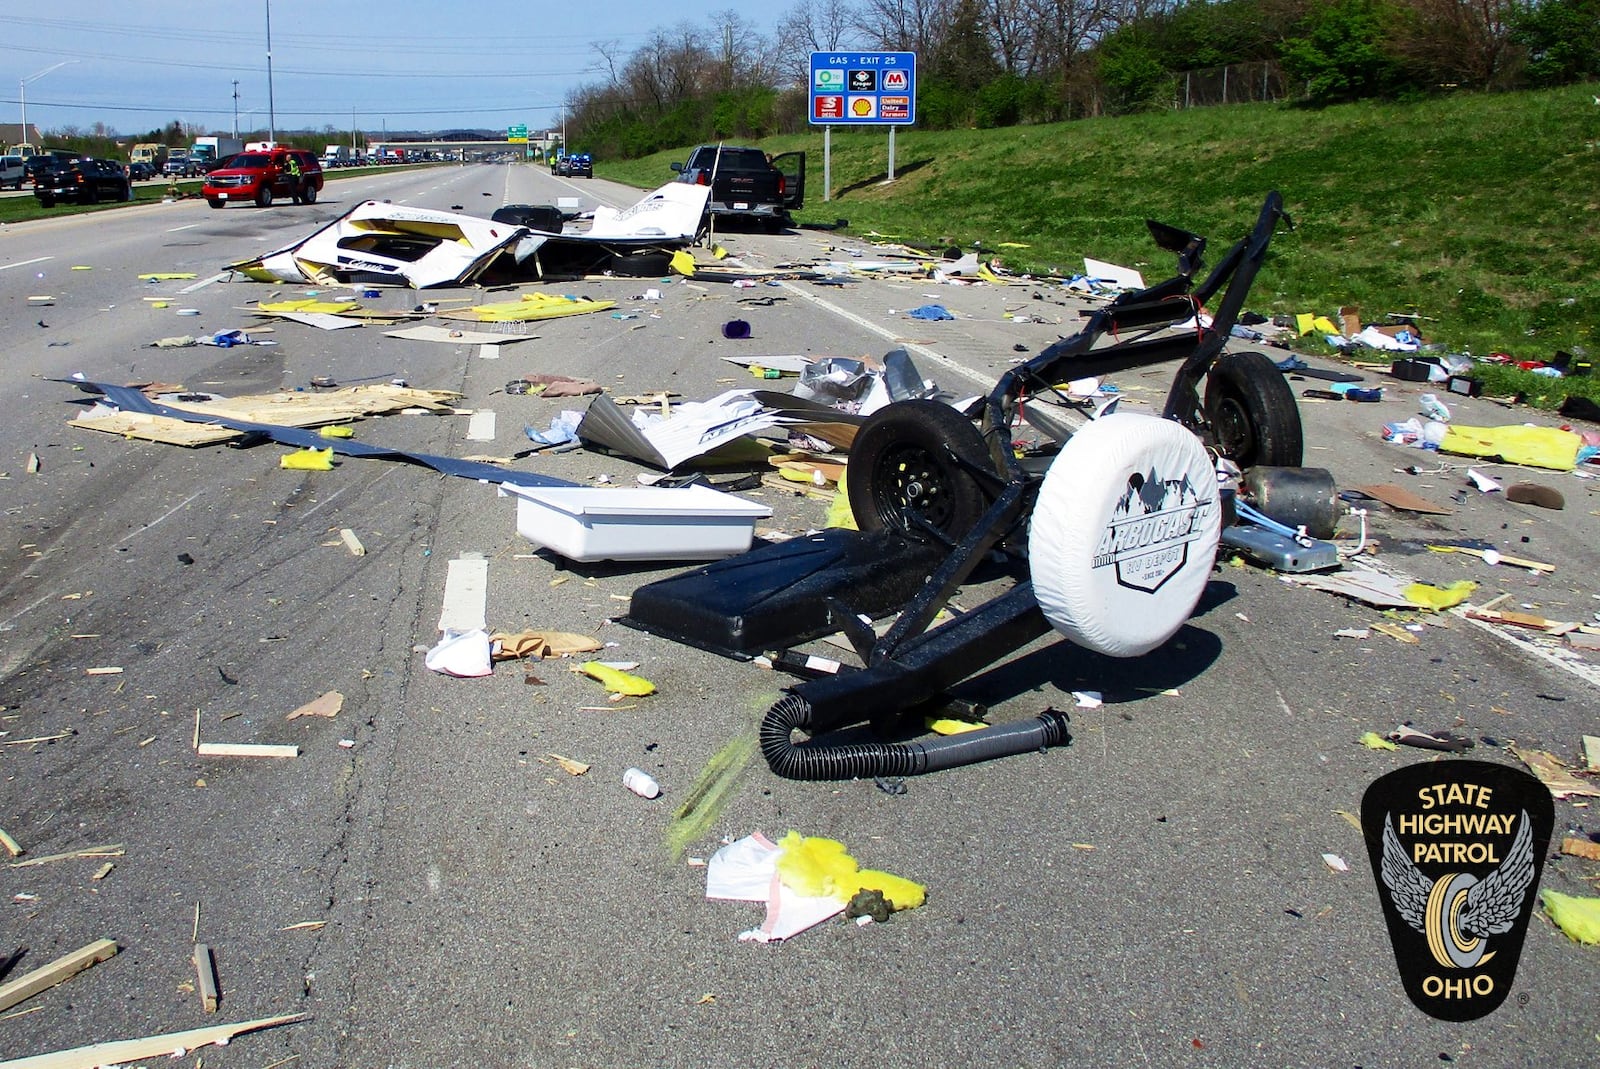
{"x": 989, "y": 63}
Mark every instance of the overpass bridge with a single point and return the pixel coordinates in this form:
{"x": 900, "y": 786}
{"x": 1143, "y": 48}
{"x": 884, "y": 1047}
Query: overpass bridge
{"x": 535, "y": 146}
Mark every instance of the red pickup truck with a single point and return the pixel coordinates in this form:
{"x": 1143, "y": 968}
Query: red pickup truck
{"x": 258, "y": 177}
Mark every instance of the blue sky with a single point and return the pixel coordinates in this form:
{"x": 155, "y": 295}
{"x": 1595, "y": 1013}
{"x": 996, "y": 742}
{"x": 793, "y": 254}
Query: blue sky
{"x": 395, "y": 65}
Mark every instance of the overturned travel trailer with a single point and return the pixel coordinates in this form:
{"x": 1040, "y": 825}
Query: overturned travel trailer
{"x": 393, "y": 244}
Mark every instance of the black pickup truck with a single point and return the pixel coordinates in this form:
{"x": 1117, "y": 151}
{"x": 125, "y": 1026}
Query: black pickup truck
{"x": 746, "y": 184}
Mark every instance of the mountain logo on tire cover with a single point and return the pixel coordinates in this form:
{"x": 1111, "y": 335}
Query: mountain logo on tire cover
{"x": 1151, "y": 526}
{"x": 1456, "y": 849}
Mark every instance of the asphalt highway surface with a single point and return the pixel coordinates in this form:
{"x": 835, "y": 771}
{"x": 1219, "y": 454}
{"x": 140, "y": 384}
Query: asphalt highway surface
{"x": 430, "y": 887}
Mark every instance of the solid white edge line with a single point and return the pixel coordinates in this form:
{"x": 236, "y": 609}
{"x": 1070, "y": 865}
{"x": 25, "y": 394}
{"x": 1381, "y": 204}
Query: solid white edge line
{"x": 25, "y": 263}
{"x": 932, "y": 355}
{"x": 203, "y": 283}
{"x": 1587, "y": 672}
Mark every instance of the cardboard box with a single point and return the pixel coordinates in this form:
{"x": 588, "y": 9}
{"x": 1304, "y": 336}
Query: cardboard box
{"x": 636, "y": 523}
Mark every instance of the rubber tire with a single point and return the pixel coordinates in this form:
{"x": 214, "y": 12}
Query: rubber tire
{"x": 47, "y": 202}
{"x": 309, "y": 194}
{"x": 264, "y": 197}
{"x": 215, "y": 203}
{"x": 641, "y": 264}
{"x": 91, "y": 195}
{"x": 1101, "y": 578}
{"x": 908, "y": 456}
{"x": 1252, "y": 412}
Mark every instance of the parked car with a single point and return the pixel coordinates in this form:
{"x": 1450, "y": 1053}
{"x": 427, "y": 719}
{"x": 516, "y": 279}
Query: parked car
{"x": 580, "y": 166}
{"x": 84, "y": 181}
{"x": 561, "y": 166}
{"x": 260, "y": 177}
{"x": 13, "y": 169}
{"x": 139, "y": 170}
{"x": 747, "y": 183}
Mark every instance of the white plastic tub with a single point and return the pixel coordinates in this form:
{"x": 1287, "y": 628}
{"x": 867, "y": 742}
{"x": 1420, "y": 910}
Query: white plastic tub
{"x": 636, "y": 523}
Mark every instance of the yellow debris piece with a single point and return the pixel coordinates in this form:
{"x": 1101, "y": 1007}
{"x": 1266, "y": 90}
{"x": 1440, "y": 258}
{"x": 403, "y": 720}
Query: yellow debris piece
{"x": 839, "y": 514}
{"x": 337, "y": 431}
{"x": 617, "y": 681}
{"x": 683, "y": 262}
{"x": 1373, "y": 741}
{"x": 310, "y": 304}
{"x": 531, "y": 306}
{"x": 167, "y": 276}
{"x": 1433, "y": 597}
{"x": 1578, "y": 917}
{"x": 818, "y": 867}
{"x": 308, "y": 460}
{"x": 951, "y": 726}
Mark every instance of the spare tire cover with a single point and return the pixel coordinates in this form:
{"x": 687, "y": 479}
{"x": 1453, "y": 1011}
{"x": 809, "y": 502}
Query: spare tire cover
{"x": 1124, "y": 533}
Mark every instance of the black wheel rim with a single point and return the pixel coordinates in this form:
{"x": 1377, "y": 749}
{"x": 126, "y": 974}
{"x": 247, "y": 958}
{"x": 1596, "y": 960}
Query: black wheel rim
{"x": 911, "y": 480}
{"x": 1235, "y": 433}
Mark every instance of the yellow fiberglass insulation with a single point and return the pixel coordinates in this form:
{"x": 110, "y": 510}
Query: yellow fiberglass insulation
{"x": 822, "y": 867}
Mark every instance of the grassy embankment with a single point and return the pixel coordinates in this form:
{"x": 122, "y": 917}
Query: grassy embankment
{"x": 1480, "y": 213}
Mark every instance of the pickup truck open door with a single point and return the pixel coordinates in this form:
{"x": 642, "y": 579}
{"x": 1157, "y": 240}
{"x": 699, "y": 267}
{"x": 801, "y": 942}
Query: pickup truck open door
{"x": 792, "y": 165}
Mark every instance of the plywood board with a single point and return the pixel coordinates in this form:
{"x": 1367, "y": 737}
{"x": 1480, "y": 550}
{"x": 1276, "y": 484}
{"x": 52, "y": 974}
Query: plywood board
{"x": 455, "y": 337}
{"x": 1399, "y": 497}
{"x": 320, "y": 320}
{"x": 163, "y": 429}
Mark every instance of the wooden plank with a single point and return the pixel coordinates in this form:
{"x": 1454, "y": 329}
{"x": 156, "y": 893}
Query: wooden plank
{"x": 206, "y": 973}
{"x": 48, "y": 976}
{"x": 10, "y": 844}
{"x": 1576, "y": 847}
{"x": 127, "y": 1050}
{"x": 1494, "y": 556}
{"x": 245, "y": 749}
{"x": 110, "y": 850}
{"x": 1591, "y": 752}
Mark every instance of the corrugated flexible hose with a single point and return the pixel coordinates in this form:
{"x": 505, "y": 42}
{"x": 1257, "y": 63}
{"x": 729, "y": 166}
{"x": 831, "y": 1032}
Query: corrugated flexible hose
{"x": 809, "y": 761}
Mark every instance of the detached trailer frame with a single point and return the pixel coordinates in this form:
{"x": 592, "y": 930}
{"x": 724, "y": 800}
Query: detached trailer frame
{"x": 937, "y": 495}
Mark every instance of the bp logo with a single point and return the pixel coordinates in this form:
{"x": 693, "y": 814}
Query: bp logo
{"x": 1457, "y": 848}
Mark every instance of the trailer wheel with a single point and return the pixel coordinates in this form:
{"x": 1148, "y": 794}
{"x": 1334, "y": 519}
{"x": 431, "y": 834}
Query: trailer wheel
{"x": 1124, "y": 533}
{"x": 910, "y": 460}
{"x": 1252, "y": 412}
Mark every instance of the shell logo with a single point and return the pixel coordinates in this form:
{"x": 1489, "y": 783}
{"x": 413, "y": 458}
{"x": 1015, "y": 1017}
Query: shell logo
{"x": 861, "y": 109}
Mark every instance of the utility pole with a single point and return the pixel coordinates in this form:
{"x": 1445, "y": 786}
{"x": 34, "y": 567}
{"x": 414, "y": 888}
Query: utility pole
{"x": 236, "y": 109}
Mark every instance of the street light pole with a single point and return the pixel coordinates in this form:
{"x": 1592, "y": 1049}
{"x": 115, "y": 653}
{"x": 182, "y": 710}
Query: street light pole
{"x": 272, "y": 115}
{"x": 22, "y": 95}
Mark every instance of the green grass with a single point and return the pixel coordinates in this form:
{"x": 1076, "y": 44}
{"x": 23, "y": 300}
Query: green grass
{"x": 1480, "y": 213}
